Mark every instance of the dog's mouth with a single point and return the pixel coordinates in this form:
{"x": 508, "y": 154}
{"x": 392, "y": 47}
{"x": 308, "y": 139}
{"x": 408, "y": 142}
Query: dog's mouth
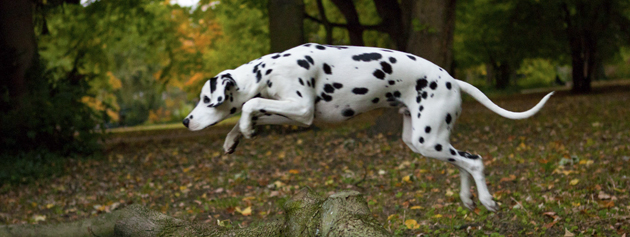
{"x": 197, "y": 126}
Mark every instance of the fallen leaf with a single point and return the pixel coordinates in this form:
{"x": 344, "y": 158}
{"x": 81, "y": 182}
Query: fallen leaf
{"x": 415, "y": 207}
{"x": 568, "y": 233}
{"x": 507, "y": 179}
{"x": 574, "y": 182}
{"x": 38, "y": 218}
{"x": 449, "y": 193}
{"x": 602, "y": 195}
{"x": 294, "y": 171}
{"x": 245, "y": 212}
{"x": 412, "y": 224}
{"x": 407, "y": 179}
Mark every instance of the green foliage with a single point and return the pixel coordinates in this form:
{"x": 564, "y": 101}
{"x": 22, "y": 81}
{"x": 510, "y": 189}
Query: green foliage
{"x": 536, "y": 73}
{"x": 49, "y": 123}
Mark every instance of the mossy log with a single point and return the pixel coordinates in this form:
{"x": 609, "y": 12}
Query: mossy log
{"x": 305, "y": 214}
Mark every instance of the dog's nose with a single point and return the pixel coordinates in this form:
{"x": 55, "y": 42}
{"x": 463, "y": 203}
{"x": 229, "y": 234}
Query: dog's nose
{"x": 186, "y": 122}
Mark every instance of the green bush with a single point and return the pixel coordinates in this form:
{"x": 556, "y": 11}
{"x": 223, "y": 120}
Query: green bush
{"x": 48, "y": 123}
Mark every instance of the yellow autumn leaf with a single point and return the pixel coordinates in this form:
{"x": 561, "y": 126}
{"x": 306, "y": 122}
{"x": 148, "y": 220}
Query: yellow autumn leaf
{"x": 415, "y": 207}
{"x": 294, "y": 171}
{"x": 407, "y": 179}
{"x": 245, "y": 212}
{"x": 574, "y": 182}
{"x": 50, "y": 205}
{"x": 392, "y": 216}
{"x": 449, "y": 193}
{"x": 437, "y": 216}
{"x": 412, "y": 224}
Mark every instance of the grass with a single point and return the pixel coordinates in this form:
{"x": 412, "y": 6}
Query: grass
{"x": 565, "y": 169}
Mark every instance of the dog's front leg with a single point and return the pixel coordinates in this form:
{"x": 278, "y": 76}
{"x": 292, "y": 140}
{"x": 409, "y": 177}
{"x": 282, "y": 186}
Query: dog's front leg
{"x": 232, "y": 139}
{"x": 297, "y": 111}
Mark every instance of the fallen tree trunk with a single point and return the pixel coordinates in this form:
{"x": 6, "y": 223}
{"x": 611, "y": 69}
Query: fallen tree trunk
{"x": 305, "y": 214}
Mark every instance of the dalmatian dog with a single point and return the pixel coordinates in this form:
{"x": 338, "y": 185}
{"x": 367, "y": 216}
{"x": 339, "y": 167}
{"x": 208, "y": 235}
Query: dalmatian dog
{"x": 334, "y": 83}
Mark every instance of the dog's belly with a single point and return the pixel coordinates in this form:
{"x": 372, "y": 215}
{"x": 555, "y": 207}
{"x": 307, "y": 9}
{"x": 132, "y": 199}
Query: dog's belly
{"x": 335, "y": 112}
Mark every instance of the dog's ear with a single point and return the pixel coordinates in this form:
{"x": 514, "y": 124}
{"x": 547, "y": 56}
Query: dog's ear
{"x": 219, "y": 87}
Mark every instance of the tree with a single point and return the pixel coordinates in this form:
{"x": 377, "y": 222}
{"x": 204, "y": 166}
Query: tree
{"x": 18, "y": 49}
{"x": 501, "y": 34}
{"x": 285, "y": 26}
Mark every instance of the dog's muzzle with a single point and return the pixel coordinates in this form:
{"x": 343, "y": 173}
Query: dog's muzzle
{"x": 186, "y": 122}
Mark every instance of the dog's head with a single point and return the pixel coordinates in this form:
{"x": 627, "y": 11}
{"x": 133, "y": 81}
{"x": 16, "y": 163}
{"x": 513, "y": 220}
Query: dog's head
{"x": 215, "y": 102}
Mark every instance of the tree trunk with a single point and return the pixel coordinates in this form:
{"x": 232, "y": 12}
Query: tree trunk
{"x": 503, "y": 76}
{"x": 286, "y": 29}
{"x": 306, "y": 214}
{"x": 17, "y": 47}
{"x": 431, "y": 31}
{"x": 355, "y": 29}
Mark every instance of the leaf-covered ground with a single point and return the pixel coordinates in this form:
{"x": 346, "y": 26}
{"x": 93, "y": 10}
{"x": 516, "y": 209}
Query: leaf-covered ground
{"x": 565, "y": 171}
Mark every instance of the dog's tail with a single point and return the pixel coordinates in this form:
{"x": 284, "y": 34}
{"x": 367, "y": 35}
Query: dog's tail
{"x": 483, "y": 99}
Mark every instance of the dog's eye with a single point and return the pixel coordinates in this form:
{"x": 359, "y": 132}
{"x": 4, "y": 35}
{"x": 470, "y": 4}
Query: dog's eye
{"x": 206, "y": 99}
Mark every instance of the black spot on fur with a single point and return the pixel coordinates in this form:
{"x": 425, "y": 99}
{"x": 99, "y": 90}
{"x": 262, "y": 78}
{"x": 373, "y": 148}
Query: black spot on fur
{"x": 347, "y": 112}
{"x": 327, "y": 69}
{"x": 419, "y": 114}
{"x": 326, "y": 97}
{"x": 421, "y": 140}
{"x": 298, "y": 93}
{"x": 263, "y": 111}
{"x": 366, "y": 57}
{"x": 379, "y": 74}
{"x": 309, "y": 59}
{"x": 386, "y": 67}
{"x": 424, "y": 95}
{"x": 360, "y": 90}
{"x": 303, "y": 63}
{"x": 313, "y": 82}
{"x": 433, "y": 85}
{"x": 301, "y": 82}
{"x": 427, "y": 129}
{"x": 418, "y": 99}
{"x": 453, "y": 152}
{"x": 375, "y": 100}
{"x": 438, "y": 147}
{"x": 328, "y": 88}
{"x": 392, "y": 60}
{"x": 276, "y": 56}
{"x": 448, "y": 118}
{"x": 286, "y": 55}
{"x": 448, "y": 85}
{"x": 269, "y": 84}
{"x": 258, "y": 76}
{"x": 391, "y": 82}
{"x": 213, "y": 84}
{"x": 397, "y": 94}
{"x": 411, "y": 57}
{"x": 233, "y": 110}
{"x": 268, "y": 71}
{"x": 451, "y": 159}
{"x": 256, "y": 68}
{"x": 421, "y": 108}
{"x": 337, "y": 85}
{"x": 421, "y": 84}
{"x": 318, "y": 99}
{"x": 320, "y": 47}
{"x": 307, "y": 45}
{"x": 220, "y": 99}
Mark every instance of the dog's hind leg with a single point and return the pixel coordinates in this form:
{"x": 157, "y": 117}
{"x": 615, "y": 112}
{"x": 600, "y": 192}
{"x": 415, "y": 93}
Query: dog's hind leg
{"x": 430, "y": 136}
{"x": 464, "y": 192}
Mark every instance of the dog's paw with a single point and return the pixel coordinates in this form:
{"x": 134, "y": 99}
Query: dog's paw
{"x": 230, "y": 145}
{"x": 467, "y": 199}
{"x": 490, "y": 204}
